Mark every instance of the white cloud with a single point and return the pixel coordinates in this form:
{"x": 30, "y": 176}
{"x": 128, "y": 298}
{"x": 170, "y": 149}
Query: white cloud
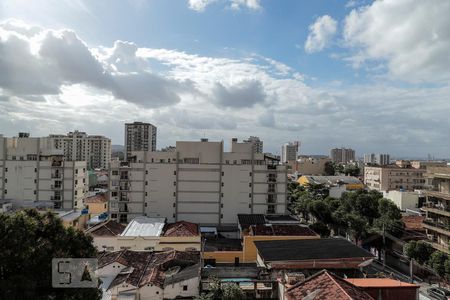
{"x": 250, "y": 4}
{"x": 200, "y": 5}
{"x": 320, "y": 34}
{"x": 411, "y": 36}
{"x": 70, "y": 85}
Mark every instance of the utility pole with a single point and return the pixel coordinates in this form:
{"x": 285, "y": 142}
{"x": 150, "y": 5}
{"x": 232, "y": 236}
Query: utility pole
{"x": 384, "y": 247}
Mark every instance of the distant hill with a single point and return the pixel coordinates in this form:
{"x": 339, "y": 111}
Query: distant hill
{"x": 117, "y": 148}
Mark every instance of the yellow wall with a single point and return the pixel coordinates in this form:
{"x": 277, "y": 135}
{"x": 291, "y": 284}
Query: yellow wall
{"x": 97, "y": 208}
{"x": 354, "y": 186}
{"x": 223, "y": 256}
{"x": 303, "y": 180}
{"x": 79, "y": 223}
{"x": 249, "y": 249}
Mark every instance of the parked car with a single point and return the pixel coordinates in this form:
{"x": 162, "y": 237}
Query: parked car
{"x": 438, "y": 293}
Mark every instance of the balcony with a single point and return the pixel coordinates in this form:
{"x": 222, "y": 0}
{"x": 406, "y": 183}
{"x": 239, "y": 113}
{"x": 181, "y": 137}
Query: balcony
{"x": 57, "y": 175}
{"x": 436, "y": 194}
{"x": 56, "y": 163}
{"x": 124, "y": 177}
{"x": 437, "y": 227}
{"x": 124, "y": 188}
{"x": 55, "y": 198}
{"x": 56, "y": 187}
{"x": 436, "y": 209}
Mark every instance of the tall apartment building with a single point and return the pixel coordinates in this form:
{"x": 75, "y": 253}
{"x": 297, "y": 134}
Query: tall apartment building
{"x": 401, "y": 176}
{"x": 198, "y": 182}
{"x": 257, "y": 144}
{"x": 342, "y": 155}
{"x": 34, "y": 173}
{"x": 379, "y": 159}
{"x": 369, "y": 158}
{"x": 289, "y": 151}
{"x": 139, "y": 136}
{"x": 78, "y": 146}
{"x": 437, "y": 207}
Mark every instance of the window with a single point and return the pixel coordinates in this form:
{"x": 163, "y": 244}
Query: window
{"x": 14, "y": 157}
{"x": 223, "y": 173}
{"x": 250, "y": 174}
{"x": 6, "y": 169}
{"x": 146, "y": 172}
{"x": 76, "y": 182}
{"x": 185, "y": 287}
{"x": 115, "y": 172}
{"x": 174, "y": 172}
{"x": 222, "y": 184}
{"x": 114, "y": 216}
{"x": 76, "y": 192}
{"x": 113, "y": 194}
{"x": 76, "y": 171}
{"x": 146, "y": 183}
{"x": 250, "y": 184}
{"x": 6, "y": 180}
{"x": 34, "y": 192}
{"x": 174, "y": 183}
{"x": 145, "y": 204}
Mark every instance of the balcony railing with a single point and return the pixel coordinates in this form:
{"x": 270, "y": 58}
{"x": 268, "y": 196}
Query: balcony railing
{"x": 56, "y": 175}
{"x": 55, "y": 198}
{"x": 437, "y": 224}
{"x": 56, "y": 187}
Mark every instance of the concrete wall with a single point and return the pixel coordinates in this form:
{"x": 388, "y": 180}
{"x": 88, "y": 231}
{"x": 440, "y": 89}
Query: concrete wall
{"x": 403, "y": 200}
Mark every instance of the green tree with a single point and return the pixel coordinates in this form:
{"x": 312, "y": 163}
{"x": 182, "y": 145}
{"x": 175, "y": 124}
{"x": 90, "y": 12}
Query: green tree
{"x": 437, "y": 262}
{"x": 418, "y": 250}
{"x": 232, "y": 291}
{"x": 352, "y": 170}
{"x": 320, "y": 228}
{"x": 29, "y": 241}
{"x": 329, "y": 168}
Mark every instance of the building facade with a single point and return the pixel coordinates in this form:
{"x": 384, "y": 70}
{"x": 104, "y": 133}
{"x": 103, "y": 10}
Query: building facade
{"x": 257, "y": 144}
{"x": 289, "y": 151}
{"x": 78, "y": 146}
{"x": 401, "y": 176}
{"x": 376, "y": 159}
{"x": 139, "y": 136}
{"x": 309, "y": 165}
{"x": 33, "y": 173}
{"x": 342, "y": 155}
{"x": 199, "y": 183}
{"x": 437, "y": 207}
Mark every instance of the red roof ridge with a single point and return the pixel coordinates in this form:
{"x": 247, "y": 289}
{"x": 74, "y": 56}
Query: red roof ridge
{"x": 340, "y": 287}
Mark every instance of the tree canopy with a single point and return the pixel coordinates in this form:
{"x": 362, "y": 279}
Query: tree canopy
{"x": 29, "y": 240}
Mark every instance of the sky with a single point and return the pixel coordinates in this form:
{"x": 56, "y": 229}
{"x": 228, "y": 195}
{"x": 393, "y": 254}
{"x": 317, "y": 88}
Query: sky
{"x": 370, "y": 75}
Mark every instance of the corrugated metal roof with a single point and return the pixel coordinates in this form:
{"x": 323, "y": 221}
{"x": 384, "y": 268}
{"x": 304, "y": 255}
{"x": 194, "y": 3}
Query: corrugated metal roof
{"x": 144, "y": 226}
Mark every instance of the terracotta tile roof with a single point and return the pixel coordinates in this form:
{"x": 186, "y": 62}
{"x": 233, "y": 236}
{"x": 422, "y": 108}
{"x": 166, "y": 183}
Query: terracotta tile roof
{"x": 281, "y": 230}
{"x": 413, "y": 222}
{"x": 181, "y": 228}
{"x": 109, "y": 228}
{"x": 99, "y": 198}
{"x": 148, "y": 267}
{"x": 326, "y": 286}
{"x": 380, "y": 283}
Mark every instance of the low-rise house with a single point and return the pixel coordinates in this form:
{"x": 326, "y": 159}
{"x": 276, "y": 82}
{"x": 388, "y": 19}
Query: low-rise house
{"x": 324, "y": 286}
{"x": 136, "y": 275}
{"x": 73, "y": 218}
{"x": 180, "y": 236}
{"x": 336, "y": 184}
{"x": 146, "y": 234}
{"x": 309, "y": 256}
{"x": 386, "y": 288}
{"x": 403, "y": 199}
{"x": 244, "y": 251}
{"x": 96, "y": 204}
{"x": 105, "y": 235}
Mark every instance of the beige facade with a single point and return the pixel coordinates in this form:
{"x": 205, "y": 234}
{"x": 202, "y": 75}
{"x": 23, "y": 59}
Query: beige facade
{"x": 342, "y": 155}
{"x": 199, "y": 183}
{"x": 401, "y": 176}
{"x": 78, "y": 146}
{"x": 33, "y": 173}
{"x": 437, "y": 207}
{"x": 309, "y": 165}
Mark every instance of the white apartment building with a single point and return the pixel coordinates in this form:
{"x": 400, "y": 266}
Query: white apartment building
{"x": 199, "y": 183}
{"x": 139, "y": 136}
{"x": 342, "y": 155}
{"x": 289, "y": 151}
{"x": 257, "y": 144}
{"x": 33, "y": 173}
{"x": 94, "y": 149}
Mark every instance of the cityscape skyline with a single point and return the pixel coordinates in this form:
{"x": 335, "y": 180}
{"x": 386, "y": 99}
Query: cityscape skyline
{"x": 316, "y": 74}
